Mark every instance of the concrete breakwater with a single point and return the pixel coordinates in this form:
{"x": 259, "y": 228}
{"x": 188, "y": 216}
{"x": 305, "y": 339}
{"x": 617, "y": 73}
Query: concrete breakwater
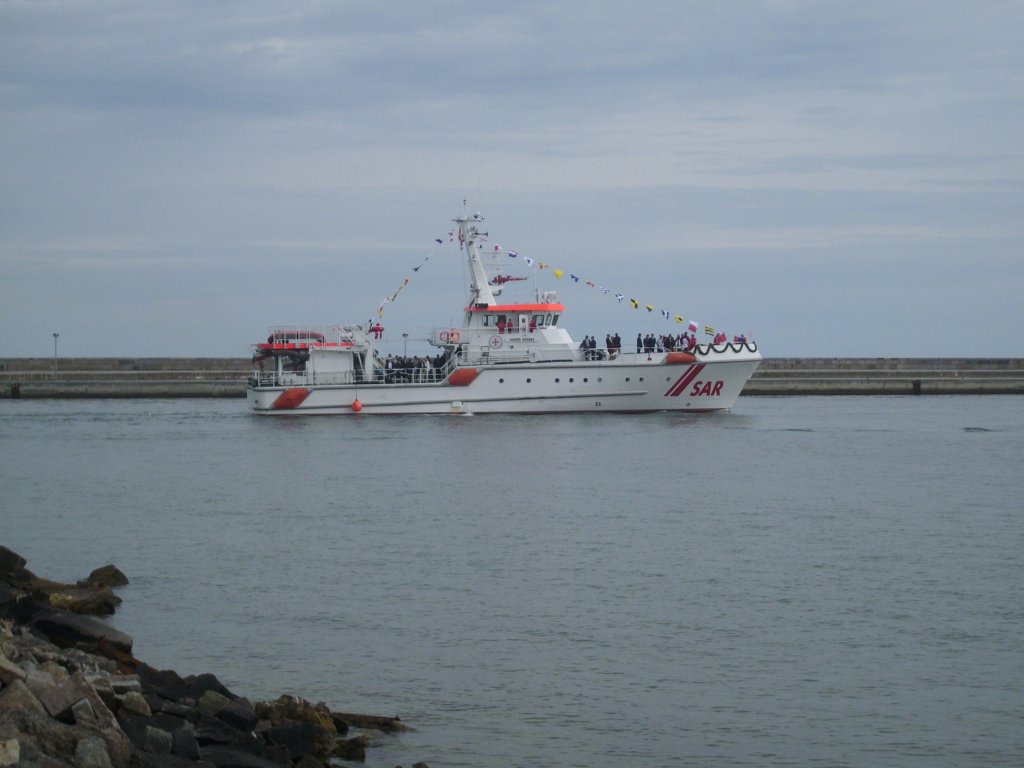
{"x": 225, "y": 377}
{"x": 72, "y": 694}
{"x": 888, "y": 376}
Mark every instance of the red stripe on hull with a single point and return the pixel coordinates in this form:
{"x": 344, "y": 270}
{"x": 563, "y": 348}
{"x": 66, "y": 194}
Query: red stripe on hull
{"x": 676, "y": 389}
{"x": 290, "y": 398}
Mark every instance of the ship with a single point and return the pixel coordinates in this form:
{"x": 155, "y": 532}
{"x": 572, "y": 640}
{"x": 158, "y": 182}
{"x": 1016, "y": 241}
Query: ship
{"x": 506, "y": 357}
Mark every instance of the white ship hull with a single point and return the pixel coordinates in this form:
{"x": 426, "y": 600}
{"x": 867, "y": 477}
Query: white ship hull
{"x": 628, "y": 384}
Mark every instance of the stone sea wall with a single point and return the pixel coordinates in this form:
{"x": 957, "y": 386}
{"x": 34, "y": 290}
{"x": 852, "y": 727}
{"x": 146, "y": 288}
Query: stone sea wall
{"x": 225, "y": 377}
{"x": 72, "y": 694}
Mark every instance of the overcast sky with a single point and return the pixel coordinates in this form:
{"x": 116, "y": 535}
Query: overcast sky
{"x": 837, "y": 178}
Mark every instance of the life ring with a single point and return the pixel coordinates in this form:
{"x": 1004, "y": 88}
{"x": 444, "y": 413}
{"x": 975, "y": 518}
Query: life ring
{"x": 453, "y": 336}
{"x": 443, "y": 335}
{"x": 495, "y": 342}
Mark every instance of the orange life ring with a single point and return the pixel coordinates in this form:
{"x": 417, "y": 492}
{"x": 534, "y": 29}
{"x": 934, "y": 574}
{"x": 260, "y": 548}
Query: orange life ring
{"x": 453, "y": 336}
{"x": 443, "y": 335}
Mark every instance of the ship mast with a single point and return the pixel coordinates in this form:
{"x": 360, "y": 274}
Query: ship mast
{"x": 480, "y": 290}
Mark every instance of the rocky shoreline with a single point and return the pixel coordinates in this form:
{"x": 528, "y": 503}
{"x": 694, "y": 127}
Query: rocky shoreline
{"x": 72, "y": 694}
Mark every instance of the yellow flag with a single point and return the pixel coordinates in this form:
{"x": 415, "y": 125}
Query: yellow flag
{"x": 558, "y": 272}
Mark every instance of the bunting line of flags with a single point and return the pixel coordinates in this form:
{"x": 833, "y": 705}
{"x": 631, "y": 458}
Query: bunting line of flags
{"x": 394, "y": 296}
{"x": 692, "y": 326}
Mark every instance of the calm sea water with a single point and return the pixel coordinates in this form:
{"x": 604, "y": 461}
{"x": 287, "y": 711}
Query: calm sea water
{"x": 803, "y": 581}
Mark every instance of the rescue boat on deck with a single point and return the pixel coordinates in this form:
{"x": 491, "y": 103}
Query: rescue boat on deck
{"x": 505, "y": 358}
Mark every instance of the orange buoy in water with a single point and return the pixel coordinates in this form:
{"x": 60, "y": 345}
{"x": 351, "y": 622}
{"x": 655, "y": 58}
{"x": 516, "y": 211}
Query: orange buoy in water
{"x": 356, "y": 405}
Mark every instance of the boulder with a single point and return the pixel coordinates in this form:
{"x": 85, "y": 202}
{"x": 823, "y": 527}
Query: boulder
{"x": 105, "y": 576}
{"x": 82, "y": 713}
{"x": 89, "y": 596}
{"x": 375, "y": 722}
{"x": 9, "y": 671}
{"x": 238, "y": 713}
{"x": 293, "y": 708}
{"x": 300, "y": 739}
{"x": 91, "y": 752}
{"x": 166, "y": 706}
{"x": 184, "y": 743}
{"x": 157, "y": 741}
{"x": 211, "y": 702}
{"x": 164, "y": 682}
{"x": 134, "y": 703}
{"x": 197, "y": 685}
{"x": 9, "y": 598}
{"x": 211, "y": 731}
{"x": 67, "y": 630}
{"x": 88, "y": 600}
{"x": 17, "y": 696}
{"x": 10, "y": 562}
{"x": 351, "y": 749}
{"x": 60, "y": 698}
{"x": 134, "y": 728}
{"x": 10, "y": 752}
{"x": 122, "y": 684}
{"x": 40, "y": 735}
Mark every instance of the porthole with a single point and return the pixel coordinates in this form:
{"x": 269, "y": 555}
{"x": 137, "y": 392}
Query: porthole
{"x": 585, "y": 380}
{"x": 599, "y": 379}
{"x": 641, "y": 378}
{"x": 528, "y": 381}
{"x": 557, "y": 380}
{"x": 501, "y": 381}
{"x": 627, "y": 378}
{"x": 571, "y": 380}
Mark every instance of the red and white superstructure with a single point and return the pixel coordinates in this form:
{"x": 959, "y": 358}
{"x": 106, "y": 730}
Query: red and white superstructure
{"x": 505, "y": 358}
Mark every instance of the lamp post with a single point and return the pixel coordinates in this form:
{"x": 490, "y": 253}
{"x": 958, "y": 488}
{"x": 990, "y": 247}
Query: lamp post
{"x": 405, "y": 345}
{"x": 55, "y": 355}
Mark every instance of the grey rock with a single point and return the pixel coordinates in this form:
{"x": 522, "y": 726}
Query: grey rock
{"x": 59, "y": 699}
{"x": 158, "y": 704}
{"x": 83, "y": 713}
{"x": 17, "y": 696}
{"x": 10, "y": 752}
{"x": 106, "y": 576}
{"x": 212, "y": 702}
{"x": 10, "y": 562}
{"x": 39, "y": 681}
{"x": 54, "y": 670}
{"x": 351, "y": 749}
{"x": 197, "y": 685}
{"x": 238, "y": 713}
{"x": 66, "y": 630}
{"x": 123, "y": 684}
{"x": 9, "y": 671}
{"x": 169, "y": 723}
{"x": 157, "y": 741}
{"x": 134, "y": 703}
{"x": 184, "y": 743}
{"x": 134, "y": 728}
{"x": 91, "y": 752}
{"x": 299, "y": 738}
